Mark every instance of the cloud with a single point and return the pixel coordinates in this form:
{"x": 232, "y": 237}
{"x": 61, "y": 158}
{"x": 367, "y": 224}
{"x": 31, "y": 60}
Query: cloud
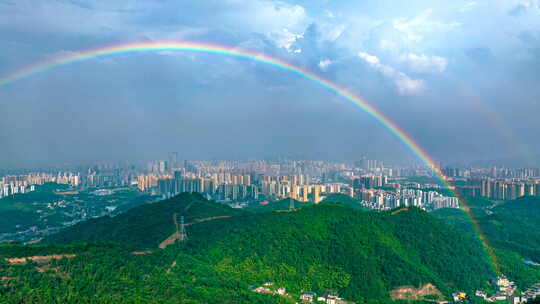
{"x": 405, "y": 44}
{"x": 404, "y": 84}
{"x": 278, "y": 20}
{"x": 422, "y": 63}
{"x": 372, "y": 60}
{"x": 331, "y": 32}
{"x": 469, "y": 6}
{"x": 324, "y": 64}
{"x": 417, "y": 27}
{"x": 408, "y": 86}
{"x": 285, "y": 39}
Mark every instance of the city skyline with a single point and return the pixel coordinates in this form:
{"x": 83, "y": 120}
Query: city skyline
{"x": 257, "y": 184}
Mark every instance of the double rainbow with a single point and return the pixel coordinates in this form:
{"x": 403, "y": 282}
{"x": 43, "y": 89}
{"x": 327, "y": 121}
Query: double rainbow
{"x": 140, "y": 47}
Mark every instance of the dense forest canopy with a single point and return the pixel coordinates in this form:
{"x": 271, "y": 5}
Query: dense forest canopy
{"x": 363, "y": 255}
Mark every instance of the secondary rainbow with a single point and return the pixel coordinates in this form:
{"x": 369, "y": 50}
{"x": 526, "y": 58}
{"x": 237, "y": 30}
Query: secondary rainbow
{"x": 257, "y": 57}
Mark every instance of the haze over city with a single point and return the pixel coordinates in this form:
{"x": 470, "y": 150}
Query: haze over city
{"x": 460, "y": 77}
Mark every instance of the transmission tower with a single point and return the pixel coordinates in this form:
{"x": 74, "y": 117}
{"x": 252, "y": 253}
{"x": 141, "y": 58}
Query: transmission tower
{"x": 291, "y": 204}
{"x": 183, "y": 233}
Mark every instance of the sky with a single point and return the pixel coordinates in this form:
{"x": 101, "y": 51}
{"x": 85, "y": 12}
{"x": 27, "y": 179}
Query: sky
{"x": 462, "y": 78}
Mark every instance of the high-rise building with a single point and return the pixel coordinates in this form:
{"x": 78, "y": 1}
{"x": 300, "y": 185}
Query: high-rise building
{"x": 529, "y": 189}
{"x": 305, "y": 193}
{"x": 163, "y": 166}
{"x": 294, "y": 194}
{"x": 316, "y": 194}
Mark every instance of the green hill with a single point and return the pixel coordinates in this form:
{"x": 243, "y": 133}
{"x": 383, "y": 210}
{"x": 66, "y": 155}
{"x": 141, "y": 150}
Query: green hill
{"x": 512, "y": 228}
{"x": 343, "y": 199}
{"x": 456, "y": 218}
{"x": 283, "y": 204}
{"x": 363, "y": 255}
{"x": 19, "y": 211}
{"x": 146, "y": 225}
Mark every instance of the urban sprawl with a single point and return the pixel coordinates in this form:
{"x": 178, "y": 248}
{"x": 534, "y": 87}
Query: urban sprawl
{"x": 371, "y": 182}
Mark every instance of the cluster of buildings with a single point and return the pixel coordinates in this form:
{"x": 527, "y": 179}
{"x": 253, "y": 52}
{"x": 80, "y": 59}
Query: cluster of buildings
{"x": 267, "y": 289}
{"x": 305, "y": 297}
{"x": 385, "y": 200}
{"x": 501, "y": 172}
{"x": 15, "y": 188}
{"x": 303, "y": 181}
{"x": 495, "y": 182}
{"x": 501, "y": 189}
{"x": 24, "y": 183}
{"x": 301, "y": 187}
{"x": 225, "y": 187}
{"x": 374, "y": 184}
{"x": 232, "y": 187}
{"x": 531, "y": 293}
{"x": 328, "y": 298}
{"x": 369, "y": 181}
{"x": 505, "y": 290}
{"x": 491, "y": 172}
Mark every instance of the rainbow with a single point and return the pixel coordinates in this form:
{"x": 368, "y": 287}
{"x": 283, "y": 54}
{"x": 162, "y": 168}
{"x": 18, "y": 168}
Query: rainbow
{"x": 234, "y": 52}
{"x": 140, "y": 47}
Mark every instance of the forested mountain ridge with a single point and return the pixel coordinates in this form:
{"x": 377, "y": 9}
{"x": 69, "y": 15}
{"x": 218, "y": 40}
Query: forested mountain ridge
{"x": 146, "y": 225}
{"x": 363, "y": 255}
{"x": 512, "y": 228}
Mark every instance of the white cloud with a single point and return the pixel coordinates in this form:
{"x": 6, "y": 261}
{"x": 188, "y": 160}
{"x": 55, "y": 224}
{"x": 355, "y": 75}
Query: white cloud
{"x": 278, "y": 15}
{"x": 417, "y": 27}
{"x": 468, "y": 6}
{"x": 372, "y": 60}
{"x": 324, "y": 64}
{"x": 331, "y": 32}
{"x": 404, "y": 84}
{"x": 408, "y": 86}
{"x": 285, "y": 39}
{"x": 422, "y": 63}
{"x": 279, "y": 21}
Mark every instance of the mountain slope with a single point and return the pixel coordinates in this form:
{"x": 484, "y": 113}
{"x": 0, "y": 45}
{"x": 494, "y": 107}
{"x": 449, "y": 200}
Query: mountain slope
{"x": 283, "y": 204}
{"x": 345, "y": 200}
{"x": 363, "y": 255}
{"x": 144, "y": 226}
{"x": 367, "y": 253}
{"x": 513, "y": 230}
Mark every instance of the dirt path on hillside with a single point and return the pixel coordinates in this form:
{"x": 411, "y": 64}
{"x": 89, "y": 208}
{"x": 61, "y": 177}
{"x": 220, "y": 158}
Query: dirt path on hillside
{"x": 40, "y": 259}
{"x": 398, "y": 211}
{"x": 176, "y": 236}
{"x": 145, "y": 252}
{"x": 173, "y": 237}
{"x": 409, "y": 293}
{"x": 208, "y": 219}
